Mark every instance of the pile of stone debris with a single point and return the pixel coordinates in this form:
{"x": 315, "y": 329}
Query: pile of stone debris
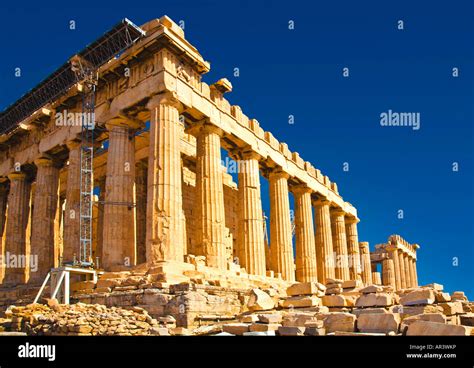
{"x": 348, "y": 308}
{"x": 311, "y": 309}
{"x": 82, "y": 320}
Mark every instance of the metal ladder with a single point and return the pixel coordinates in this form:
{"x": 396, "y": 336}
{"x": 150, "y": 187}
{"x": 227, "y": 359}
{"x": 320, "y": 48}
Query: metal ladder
{"x": 87, "y": 76}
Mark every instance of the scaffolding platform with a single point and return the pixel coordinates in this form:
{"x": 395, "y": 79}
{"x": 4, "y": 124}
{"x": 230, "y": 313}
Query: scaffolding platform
{"x": 60, "y": 279}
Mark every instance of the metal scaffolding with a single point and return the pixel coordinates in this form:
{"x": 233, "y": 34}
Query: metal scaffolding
{"x": 123, "y": 35}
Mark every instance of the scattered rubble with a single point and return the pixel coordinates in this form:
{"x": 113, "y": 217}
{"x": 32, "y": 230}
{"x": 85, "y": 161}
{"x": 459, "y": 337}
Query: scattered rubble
{"x": 302, "y": 309}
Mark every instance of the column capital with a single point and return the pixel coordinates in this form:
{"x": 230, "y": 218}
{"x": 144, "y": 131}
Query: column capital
{"x": 248, "y": 154}
{"x": 46, "y": 160}
{"x": 166, "y": 98}
{"x": 17, "y": 175}
{"x": 278, "y": 172}
{"x": 123, "y": 121}
{"x": 391, "y": 247}
{"x": 321, "y": 201}
{"x": 244, "y": 153}
{"x": 204, "y": 127}
{"x": 72, "y": 145}
{"x": 336, "y": 212}
{"x": 351, "y": 219}
{"x": 301, "y": 189}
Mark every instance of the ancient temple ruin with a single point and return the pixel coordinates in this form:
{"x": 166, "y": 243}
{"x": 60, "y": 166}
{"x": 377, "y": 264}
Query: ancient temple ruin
{"x": 162, "y": 194}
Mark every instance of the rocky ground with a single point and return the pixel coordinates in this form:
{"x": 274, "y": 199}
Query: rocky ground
{"x": 311, "y": 309}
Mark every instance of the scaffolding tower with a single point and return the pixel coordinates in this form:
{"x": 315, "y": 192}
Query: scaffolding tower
{"x": 81, "y": 70}
{"x": 87, "y": 79}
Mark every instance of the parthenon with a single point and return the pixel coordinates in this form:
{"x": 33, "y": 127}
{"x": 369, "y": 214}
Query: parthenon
{"x": 178, "y": 244}
{"x": 162, "y": 192}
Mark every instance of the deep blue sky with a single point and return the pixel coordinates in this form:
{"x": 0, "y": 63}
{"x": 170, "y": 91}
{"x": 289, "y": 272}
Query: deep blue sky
{"x": 299, "y": 72}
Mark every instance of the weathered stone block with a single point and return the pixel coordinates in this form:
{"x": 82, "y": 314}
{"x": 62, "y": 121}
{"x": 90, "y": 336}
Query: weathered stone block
{"x": 451, "y": 308}
{"x": 260, "y": 300}
{"x": 235, "y": 328}
{"x": 351, "y": 284}
{"x": 291, "y": 331}
{"x": 434, "y": 286}
{"x": 431, "y": 317}
{"x": 314, "y": 331}
{"x": 334, "y": 301}
{"x": 305, "y": 288}
{"x": 378, "y": 322}
{"x": 339, "y": 321}
{"x": 374, "y": 300}
{"x": 467, "y": 319}
{"x": 301, "y": 302}
{"x": 262, "y": 327}
{"x": 427, "y": 328}
{"x": 418, "y": 297}
{"x": 270, "y": 318}
{"x": 371, "y": 289}
{"x": 442, "y": 297}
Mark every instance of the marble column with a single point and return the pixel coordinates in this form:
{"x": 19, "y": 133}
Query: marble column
{"x": 376, "y": 279}
{"x": 140, "y": 190}
{"x": 3, "y": 205}
{"x": 280, "y": 226}
{"x": 323, "y": 239}
{"x": 415, "y": 274}
{"x": 339, "y": 241}
{"x": 100, "y": 222}
{"x": 250, "y": 238}
{"x": 393, "y": 254}
{"x": 306, "y": 268}
{"x": 119, "y": 243}
{"x": 72, "y": 246}
{"x": 164, "y": 192}
{"x": 407, "y": 270}
{"x": 16, "y": 232}
{"x": 209, "y": 203}
{"x": 3, "y": 217}
{"x": 401, "y": 264}
{"x": 44, "y": 225}
{"x": 365, "y": 263}
{"x": 410, "y": 270}
{"x": 353, "y": 248}
{"x": 388, "y": 273}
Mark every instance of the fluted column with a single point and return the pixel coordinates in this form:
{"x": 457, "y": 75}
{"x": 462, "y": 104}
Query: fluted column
{"x": 393, "y": 254}
{"x": 415, "y": 274}
{"x": 339, "y": 241}
{"x": 3, "y": 205}
{"x": 388, "y": 273}
{"x": 140, "y": 190}
{"x": 376, "y": 279}
{"x": 72, "y": 244}
{"x": 323, "y": 239}
{"x": 250, "y": 228}
{"x": 306, "y": 268}
{"x": 100, "y": 221}
{"x": 164, "y": 194}
{"x": 18, "y": 213}
{"x": 365, "y": 263}
{"x": 407, "y": 270}
{"x": 410, "y": 270}
{"x": 401, "y": 264}
{"x": 280, "y": 226}
{"x": 44, "y": 224}
{"x": 119, "y": 243}
{"x": 353, "y": 248}
{"x": 209, "y": 203}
